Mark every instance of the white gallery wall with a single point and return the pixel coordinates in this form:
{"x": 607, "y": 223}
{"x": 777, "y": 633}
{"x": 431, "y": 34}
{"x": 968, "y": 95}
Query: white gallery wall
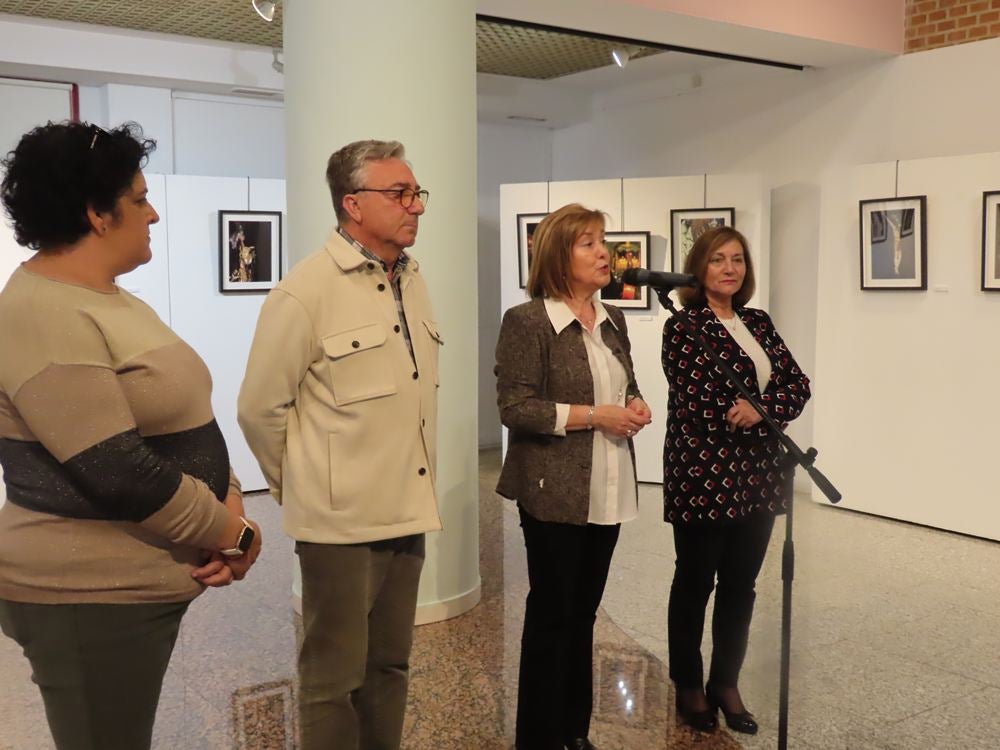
{"x": 634, "y": 205}
{"x": 907, "y": 415}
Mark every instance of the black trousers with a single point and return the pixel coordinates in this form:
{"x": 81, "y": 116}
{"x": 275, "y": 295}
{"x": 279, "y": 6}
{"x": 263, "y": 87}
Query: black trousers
{"x": 733, "y": 553}
{"x": 567, "y": 570}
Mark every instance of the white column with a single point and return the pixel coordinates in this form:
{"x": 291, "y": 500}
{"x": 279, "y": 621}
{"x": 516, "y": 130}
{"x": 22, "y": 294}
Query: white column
{"x": 403, "y": 71}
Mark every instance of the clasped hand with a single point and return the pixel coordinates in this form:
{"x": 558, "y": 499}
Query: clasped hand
{"x": 218, "y": 570}
{"x": 742, "y": 415}
{"x": 622, "y": 421}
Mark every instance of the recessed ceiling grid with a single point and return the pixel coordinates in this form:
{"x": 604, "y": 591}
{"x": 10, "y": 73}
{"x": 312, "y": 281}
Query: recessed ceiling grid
{"x": 541, "y": 54}
{"x": 502, "y": 49}
{"x": 222, "y": 20}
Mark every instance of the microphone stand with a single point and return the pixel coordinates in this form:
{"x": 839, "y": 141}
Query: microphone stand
{"x": 793, "y": 456}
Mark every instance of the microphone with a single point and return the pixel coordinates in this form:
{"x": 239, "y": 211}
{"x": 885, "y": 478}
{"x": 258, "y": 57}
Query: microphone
{"x": 658, "y": 279}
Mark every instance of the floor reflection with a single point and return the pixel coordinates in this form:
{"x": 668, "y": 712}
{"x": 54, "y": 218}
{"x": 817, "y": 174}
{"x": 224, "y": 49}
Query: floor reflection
{"x": 894, "y": 646}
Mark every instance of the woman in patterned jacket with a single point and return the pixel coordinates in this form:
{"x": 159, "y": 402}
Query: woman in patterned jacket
{"x": 723, "y": 482}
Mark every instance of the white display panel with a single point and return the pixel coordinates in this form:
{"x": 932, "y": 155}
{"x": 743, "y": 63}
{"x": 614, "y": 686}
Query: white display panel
{"x": 219, "y": 327}
{"x": 903, "y": 391}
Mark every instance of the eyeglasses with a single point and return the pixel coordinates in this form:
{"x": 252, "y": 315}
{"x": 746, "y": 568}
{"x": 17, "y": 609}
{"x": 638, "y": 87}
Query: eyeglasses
{"x": 405, "y": 196}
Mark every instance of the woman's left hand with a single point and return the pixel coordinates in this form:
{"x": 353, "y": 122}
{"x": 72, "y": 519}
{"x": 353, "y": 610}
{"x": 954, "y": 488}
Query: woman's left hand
{"x": 742, "y": 415}
{"x": 214, "y": 572}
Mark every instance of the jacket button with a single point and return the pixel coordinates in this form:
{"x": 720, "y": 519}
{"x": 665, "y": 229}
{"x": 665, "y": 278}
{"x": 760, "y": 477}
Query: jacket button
{"x": 423, "y": 422}
{"x": 355, "y": 344}
{"x": 415, "y": 376}
{"x": 422, "y": 471}
{"x": 396, "y": 329}
{"x": 381, "y": 287}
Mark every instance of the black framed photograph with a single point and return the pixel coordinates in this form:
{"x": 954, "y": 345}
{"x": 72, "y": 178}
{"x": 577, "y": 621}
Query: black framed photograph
{"x": 894, "y": 243}
{"x": 688, "y": 224}
{"x": 526, "y": 225}
{"x": 626, "y": 250}
{"x": 249, "y": 250}
{"x": 991, "y": 241}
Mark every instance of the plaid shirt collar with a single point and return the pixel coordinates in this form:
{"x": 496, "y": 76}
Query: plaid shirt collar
{"x": 397, "y": 270}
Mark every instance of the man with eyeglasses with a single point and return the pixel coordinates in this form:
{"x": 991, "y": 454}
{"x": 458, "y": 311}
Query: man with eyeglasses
{"x": 339, "y": 405}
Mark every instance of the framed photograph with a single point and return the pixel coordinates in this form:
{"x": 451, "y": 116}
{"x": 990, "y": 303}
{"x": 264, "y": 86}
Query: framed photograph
{"x": 894, "y": 243}
{"x": 626, "y": 250}
{"x": 249, "y": 250}
{"x": 991, "y": 241}
{"x": 526, "y": 224}
{"x": 688, "y": 224}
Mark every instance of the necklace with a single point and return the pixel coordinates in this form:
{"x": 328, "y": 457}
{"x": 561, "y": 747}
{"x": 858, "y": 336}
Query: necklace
{"x": 730, "y": 323}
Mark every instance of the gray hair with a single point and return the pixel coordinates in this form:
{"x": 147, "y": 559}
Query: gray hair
{"x": 345, "y": 167}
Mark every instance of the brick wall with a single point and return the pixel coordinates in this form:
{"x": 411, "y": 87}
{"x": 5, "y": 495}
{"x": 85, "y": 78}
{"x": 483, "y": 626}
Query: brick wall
{"x": 942, "y": 23}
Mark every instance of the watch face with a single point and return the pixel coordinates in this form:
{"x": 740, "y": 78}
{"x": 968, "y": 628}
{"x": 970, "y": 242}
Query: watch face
{"x": 246, "y": 538}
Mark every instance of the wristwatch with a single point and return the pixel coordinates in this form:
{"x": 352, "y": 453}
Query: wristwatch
{"x": 243, "y": 543}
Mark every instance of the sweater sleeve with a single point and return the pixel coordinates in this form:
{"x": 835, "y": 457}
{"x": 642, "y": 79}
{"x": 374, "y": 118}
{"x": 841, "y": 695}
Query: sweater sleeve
{"x": 81, "y": 417}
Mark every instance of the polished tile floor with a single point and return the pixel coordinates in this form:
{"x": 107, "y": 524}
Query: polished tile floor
{"x": 895, "y": 645}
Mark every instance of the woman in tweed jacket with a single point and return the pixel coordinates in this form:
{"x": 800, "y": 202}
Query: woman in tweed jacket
{"x": 566, "y": 390}
{"x": 723, "y": 481}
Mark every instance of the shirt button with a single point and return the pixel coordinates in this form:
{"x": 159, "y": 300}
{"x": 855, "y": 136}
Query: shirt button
{"x": 422, "y": 471}
{"x": 371, "y": 266}
{"x": 396, "y": 329}
{"x": 355, "y": 344}
{"x": 415, "y": 376}
{"x": 381, "y": 287}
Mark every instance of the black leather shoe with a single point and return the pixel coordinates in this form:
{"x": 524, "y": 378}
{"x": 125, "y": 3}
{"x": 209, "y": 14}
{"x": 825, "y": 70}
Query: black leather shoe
{"x": 742, "y": 722}
{"x": 581, "y": 743}
{"x": 702, "y": 721}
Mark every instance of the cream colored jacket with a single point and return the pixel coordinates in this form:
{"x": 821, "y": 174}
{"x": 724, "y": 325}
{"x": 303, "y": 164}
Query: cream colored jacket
{"x": 342, "y": 423}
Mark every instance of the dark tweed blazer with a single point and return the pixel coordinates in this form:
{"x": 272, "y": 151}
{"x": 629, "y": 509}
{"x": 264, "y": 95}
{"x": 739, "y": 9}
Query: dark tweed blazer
{"x": 549, "y": 475}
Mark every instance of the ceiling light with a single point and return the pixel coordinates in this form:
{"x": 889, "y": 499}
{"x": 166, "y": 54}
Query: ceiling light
{"x": 264, "y": 8}
{"x": 622, "y": 54}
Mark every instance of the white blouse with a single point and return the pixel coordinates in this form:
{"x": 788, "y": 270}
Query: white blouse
{"x": 612, "y": 482}
{"x": 741, "y": 334}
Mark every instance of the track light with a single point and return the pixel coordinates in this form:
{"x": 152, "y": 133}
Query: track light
{"x": 622, "y": 54}
{"x": 264, "y": 8}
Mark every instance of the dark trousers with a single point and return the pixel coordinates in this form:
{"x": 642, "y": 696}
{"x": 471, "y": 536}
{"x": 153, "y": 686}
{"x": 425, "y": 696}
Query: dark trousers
{"x": 567, "y": 570}
{"x": 358, "y": 607}
{"x": 734, "y": 553}
{"x": 99, "y": 667}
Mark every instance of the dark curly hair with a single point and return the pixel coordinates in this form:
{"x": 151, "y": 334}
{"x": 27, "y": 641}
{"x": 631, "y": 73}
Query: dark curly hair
{"x": 59, "y": 170}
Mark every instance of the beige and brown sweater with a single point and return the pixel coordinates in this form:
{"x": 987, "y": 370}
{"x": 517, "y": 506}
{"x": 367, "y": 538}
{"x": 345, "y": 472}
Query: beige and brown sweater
{"x": 113, "y": 462}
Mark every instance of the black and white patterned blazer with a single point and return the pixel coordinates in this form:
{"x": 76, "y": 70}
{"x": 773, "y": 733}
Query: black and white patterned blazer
{"x": 709, "y": 473}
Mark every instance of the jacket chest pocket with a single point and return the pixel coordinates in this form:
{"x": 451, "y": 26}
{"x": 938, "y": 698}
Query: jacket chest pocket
{"x": 360, "y": 364}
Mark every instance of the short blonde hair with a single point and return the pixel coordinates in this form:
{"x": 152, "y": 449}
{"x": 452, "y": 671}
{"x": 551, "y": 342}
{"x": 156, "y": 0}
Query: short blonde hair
{"x": 696, "y": 264}
{"x": 552, "y": 252}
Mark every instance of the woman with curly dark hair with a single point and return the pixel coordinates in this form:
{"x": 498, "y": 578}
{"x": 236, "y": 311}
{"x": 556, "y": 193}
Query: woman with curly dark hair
{"x": 121, "y": 505}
